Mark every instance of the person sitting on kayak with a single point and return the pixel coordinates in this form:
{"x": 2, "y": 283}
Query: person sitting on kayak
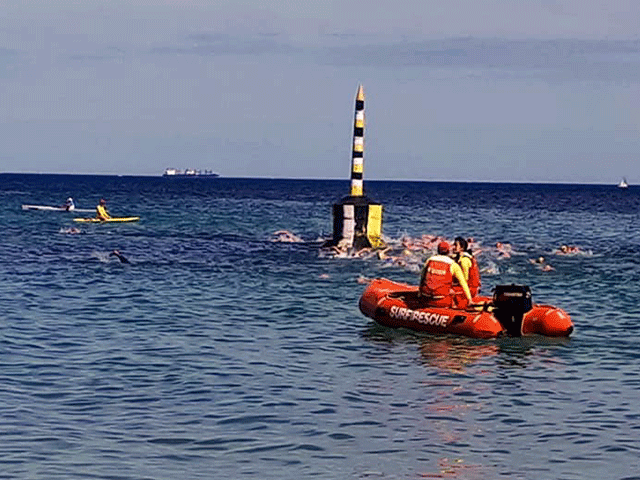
{"x": 436, "y": 279}
{"x": 101, "y": 210}
{"x": 68, "y": 205}
{"x": 469, "y": 266}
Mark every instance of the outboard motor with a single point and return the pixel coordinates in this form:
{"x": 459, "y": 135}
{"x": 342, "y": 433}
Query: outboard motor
{"x": 510, "y": 303}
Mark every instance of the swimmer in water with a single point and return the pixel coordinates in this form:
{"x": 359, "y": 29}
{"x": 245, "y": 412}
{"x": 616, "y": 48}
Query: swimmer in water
{"x": 504, "y": 250}
{"x": 285, "y": 236}
{"x": 568, "y": 249}
{"x": 121, "y": 257}
{"x": 541, "y": 263}
{"x": 341, "y": 249}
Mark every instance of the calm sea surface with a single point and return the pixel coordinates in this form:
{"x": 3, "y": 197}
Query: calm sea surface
{"x": 220, "y": 353}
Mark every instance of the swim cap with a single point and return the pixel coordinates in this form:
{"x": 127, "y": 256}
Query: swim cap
{"x": 443, "y": 247}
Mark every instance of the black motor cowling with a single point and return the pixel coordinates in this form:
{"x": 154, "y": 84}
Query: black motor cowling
{"x": 510, "y": 303}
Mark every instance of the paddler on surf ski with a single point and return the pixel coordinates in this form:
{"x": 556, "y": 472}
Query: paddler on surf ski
{"x": 101, "y": 210}
{"x": 69, "y": 205}
{"x": 437, "y": 281}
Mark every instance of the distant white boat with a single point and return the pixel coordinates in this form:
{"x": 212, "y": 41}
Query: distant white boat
{"x": 623, "y": 183}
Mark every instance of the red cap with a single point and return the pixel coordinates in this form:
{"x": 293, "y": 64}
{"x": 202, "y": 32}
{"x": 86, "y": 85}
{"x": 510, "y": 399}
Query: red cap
{"x": 443, "y": 247}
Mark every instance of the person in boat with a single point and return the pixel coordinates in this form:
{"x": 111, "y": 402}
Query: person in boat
{"x": 469, "y": 266}
{"x": 69, "y": 205}
{"x": 101, "y": 210}
{"x": 437, "y": 276}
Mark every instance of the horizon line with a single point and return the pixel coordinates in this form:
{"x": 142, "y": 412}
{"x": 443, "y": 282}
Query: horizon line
{"x": 221, "y": 177}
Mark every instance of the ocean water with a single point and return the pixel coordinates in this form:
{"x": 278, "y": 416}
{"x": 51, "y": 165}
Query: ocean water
{"x": 220, "y": 353}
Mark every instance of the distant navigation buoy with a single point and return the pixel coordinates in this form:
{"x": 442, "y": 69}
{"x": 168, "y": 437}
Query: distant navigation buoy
{"x": 357, "y": 220}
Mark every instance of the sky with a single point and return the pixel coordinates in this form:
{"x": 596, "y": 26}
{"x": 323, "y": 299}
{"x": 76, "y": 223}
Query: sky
{"x": 457, "y": 90}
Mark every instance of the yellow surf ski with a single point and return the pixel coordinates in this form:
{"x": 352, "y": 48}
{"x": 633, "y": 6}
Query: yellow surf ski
{"x": 109, "y": 220}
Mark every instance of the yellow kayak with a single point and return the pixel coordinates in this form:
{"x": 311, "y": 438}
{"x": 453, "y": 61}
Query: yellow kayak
{"x": 112, "y": 219}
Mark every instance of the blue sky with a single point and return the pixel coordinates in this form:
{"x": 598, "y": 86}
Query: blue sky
{"x": 462, "y": 90}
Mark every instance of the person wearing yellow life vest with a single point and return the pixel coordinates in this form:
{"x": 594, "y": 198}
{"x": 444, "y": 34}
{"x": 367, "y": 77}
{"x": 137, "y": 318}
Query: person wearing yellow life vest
{"x": 468, "y": 264}
{"x": 436, "y": 279}
{"x": 101, "y": 210}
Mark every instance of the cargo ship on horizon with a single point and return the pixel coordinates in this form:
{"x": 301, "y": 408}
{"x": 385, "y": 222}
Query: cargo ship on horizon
{"x": 189, "y": 172}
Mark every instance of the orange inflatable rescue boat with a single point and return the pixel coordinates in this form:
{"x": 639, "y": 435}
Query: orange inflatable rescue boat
{"x": 510, "y": 312}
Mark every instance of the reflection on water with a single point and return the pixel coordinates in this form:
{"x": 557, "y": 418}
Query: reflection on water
{"x": 454, "y": 354}
{"x": 519, "y": 352}
{"x": 456, "y": 468}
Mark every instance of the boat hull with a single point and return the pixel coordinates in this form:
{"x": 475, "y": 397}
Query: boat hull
{"x": 399, "y": 305}
{"x": 46, "y": 208}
